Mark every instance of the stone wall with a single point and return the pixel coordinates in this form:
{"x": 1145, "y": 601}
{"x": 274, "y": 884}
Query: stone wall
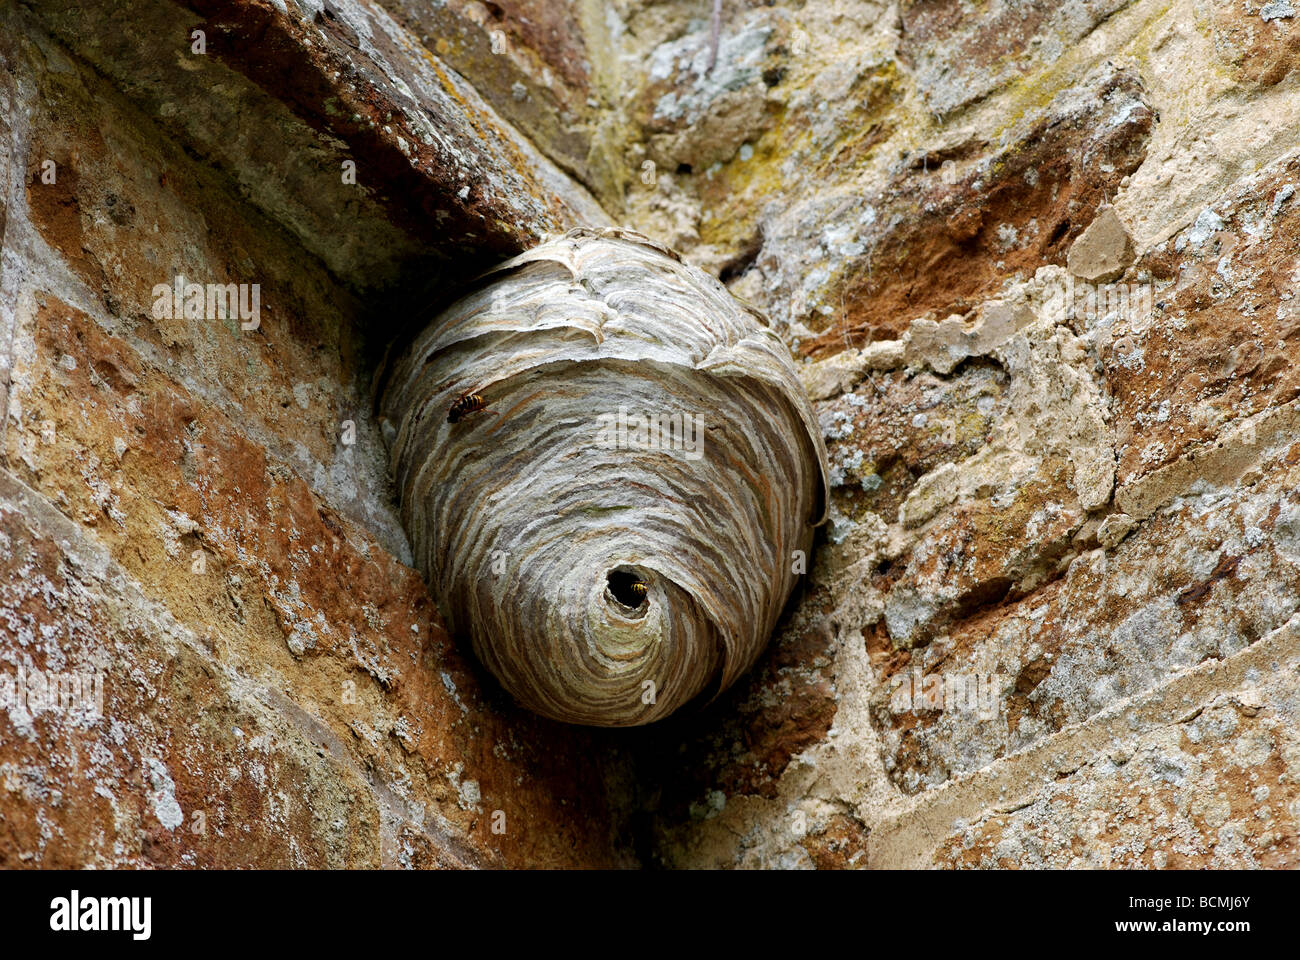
{"x": 1038, "y": 261}
{"x": 297, "y": 702}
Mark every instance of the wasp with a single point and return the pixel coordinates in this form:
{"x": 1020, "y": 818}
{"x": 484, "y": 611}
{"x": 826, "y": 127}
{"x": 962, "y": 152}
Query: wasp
{"x": 464, "y": 405}
{"x": 627, "y": 588}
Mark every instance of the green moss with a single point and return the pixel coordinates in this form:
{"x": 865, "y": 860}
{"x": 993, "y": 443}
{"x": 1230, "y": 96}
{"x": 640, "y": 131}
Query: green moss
{"x": 734, "y": 191}
{"x": 1035, "y": 91}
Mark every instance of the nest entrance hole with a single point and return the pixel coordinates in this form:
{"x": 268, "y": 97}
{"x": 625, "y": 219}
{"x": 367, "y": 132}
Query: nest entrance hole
{"x": 621, "y": 586}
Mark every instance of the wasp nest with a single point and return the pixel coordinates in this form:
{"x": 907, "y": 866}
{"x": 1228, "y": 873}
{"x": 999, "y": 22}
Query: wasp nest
{"x": 610, "y": 475}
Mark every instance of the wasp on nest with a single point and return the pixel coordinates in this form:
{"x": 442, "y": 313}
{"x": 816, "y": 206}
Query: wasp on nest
{"x": 619, "y": 539}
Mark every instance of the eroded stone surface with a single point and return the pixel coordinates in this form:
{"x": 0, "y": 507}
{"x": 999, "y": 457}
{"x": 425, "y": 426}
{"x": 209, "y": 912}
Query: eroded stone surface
{"x": 1061, "y": 493}
{"x": 1040, "y": 261}
{"x": 198, "y": 512}
{"x": 284, "y": 95}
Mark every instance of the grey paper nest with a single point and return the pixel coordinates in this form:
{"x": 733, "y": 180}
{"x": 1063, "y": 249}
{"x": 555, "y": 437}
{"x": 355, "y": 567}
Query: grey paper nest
{"x": 616, "y": 529}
